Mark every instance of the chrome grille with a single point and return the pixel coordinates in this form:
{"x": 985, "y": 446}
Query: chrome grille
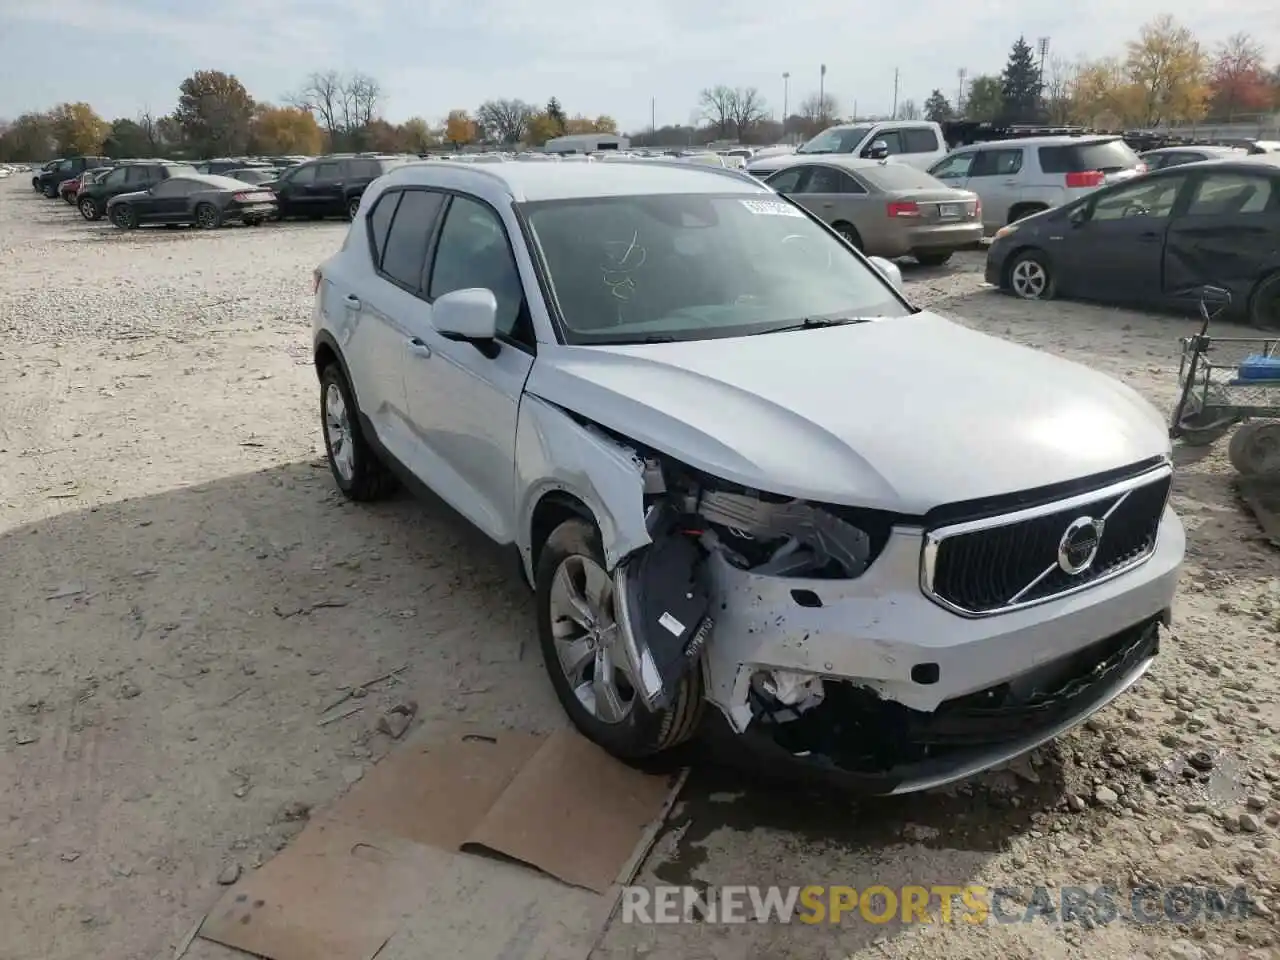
{"x": 1004, "y": 563}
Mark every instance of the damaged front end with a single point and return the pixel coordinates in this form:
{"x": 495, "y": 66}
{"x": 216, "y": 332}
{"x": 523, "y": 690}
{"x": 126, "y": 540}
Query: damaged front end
{"x": 667, "y": 592}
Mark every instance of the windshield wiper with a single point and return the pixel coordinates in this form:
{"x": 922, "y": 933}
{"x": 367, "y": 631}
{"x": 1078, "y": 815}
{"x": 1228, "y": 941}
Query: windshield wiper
{"x": 812, "y": 323}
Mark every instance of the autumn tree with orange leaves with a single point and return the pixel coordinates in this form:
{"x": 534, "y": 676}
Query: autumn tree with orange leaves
{"x": 1238, "y": 81}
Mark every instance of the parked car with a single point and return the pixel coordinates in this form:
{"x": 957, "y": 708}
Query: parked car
{"x": 1155, "y": 240}
{"x": 329, "y": 186}
{"x": 1176, "y": 156}
{"x": 1016, "y": 178}
{"x": 258, "y": 176}
{"x": 127, "y": 177}
{"x": 205, "y": 200}
{"x": 49, "y": 179}
{"x": 917, "y": 143}
{"x": 885, "y": 209}
{"x": 36, "y": 184}
{"x": 645, "y": 378}
{"x": 69, "y": 190}
{"x": 221, "y": 166}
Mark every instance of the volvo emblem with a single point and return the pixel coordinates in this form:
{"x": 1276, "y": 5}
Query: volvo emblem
{"x": 1079, "y": 545}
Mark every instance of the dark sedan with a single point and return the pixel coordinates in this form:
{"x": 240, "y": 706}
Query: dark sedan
{"x": 205, "y": 201}
{"x": 258, "y": 176}
{"x": 1154, "y": 240}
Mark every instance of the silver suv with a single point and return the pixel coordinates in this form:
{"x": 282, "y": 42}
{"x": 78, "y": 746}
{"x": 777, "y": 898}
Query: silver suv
{"x": 738, "y": 468}
{"x": 1016, "y": 178}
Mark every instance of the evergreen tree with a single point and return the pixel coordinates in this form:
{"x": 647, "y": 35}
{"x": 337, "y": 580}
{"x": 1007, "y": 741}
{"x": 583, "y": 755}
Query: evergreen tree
{"x": 1020, "y": 84}
{"x": 938, "y": 108}
{"x": 555, "y": 113}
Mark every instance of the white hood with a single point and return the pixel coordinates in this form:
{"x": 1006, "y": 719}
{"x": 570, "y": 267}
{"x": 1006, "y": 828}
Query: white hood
{"x": 900, "y": 414}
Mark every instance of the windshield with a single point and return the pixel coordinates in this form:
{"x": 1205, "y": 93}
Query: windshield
{"x": 697, "y": 266}
{"x": 836, "y": 140}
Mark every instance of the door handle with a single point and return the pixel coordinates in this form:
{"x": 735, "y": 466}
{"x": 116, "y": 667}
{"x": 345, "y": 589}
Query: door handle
{"x": 1148, "y": 237}
{"x": 353, "y": 302}
{"x": 419, "y": 349}
{"x": 1010, "y": 182}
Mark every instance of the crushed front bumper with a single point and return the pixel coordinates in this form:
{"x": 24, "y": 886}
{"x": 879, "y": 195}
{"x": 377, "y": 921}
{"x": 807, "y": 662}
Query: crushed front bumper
{"x": 917, "y": 696}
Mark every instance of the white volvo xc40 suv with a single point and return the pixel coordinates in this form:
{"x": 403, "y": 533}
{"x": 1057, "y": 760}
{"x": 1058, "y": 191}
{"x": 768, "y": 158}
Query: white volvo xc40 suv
{"x": 742, "y": 471}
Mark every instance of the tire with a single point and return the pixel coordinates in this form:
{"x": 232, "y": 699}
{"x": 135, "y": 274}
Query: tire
{"x": 363, "y": 477}
{"x": 849, "y": 233}
{"x": 1254, "y": 449}
{"x": 353, "y": 207}
{"x": 123, "y": 216}
{"x": 89, "y": 210}
{"x": 70, "y": 198}
{"x": 51, "y": 191}
{"x": 637, "y": 732}
{"x": 1264, "y": 303}
{"x": 932, "y": 259}
{"x": 1028, "y": 276}
{"x": 208, "y": 217}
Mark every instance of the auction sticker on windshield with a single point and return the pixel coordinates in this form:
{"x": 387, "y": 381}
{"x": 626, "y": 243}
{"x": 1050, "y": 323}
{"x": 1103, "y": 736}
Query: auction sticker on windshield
{"x": 772, "y": 208}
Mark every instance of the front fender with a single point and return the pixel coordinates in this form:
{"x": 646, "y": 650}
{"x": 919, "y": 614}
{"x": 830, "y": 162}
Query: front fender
{"x": 556, "y": 453}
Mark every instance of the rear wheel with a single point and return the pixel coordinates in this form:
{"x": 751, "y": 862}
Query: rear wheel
{"x": 1264, "y": 303}
{"x": 208, "y": 217}
{"x": 51, "y": 191}
{"x": 356, "y": 469}
{"x": 581, "y": 649}
{"x": 89, "y": 210}
{"x": 1029, "y": 276}
{"x": 932, "y": 259}
{"x": 353, "y": 207}
{"x": 850, "y": 234}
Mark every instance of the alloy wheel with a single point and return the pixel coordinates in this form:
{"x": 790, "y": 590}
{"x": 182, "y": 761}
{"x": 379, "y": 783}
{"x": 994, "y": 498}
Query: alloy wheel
{"x": 1029, "y": 279}
{"x": 337, "y": 428}
{"x": 587, "y": 639}
{"x": 206, "y": 217}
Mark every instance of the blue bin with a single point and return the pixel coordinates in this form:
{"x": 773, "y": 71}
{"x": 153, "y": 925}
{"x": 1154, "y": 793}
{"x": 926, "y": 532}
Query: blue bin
{"x": 1259, "y": 367}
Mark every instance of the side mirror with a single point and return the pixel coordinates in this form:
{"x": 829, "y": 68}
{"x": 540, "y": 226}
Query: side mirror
{"x": 470, "y": 314}
{"x": 1078, "y": 215}
{"x": 889, "y": 270}
{"x": 878, "y": 150}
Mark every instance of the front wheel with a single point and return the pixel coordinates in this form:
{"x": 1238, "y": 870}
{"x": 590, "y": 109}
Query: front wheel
{"x": 1030, "y": 277}
{"x": 356, "y": 469}
{"x": 353, "y": 207}
{"x": 850, "y": 235}
{"x": 123, "y": 216}
{"x": 583, "y": 653}
{"x": 51, "y": 192}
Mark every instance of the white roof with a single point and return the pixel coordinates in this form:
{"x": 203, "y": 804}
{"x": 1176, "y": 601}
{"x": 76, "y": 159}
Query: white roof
{"x": 562, "y": 181}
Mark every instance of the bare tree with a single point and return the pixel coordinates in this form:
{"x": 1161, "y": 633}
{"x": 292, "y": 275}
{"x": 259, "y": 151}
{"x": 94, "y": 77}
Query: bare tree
{"x": 819, "y": 110}
{"x": 505, "y": 120}
{"x": 716, "y": 106}
{"x": 747, "y": 108}
{"x": 324, "y": 94}
{"x": 1059, "y": 89}
{"x": 907, "y": 110}
{"x": 150, "y": 128}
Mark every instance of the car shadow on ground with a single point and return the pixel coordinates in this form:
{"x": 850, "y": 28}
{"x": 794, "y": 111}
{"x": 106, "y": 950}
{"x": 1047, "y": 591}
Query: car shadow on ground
{"x": 220, "y": 620}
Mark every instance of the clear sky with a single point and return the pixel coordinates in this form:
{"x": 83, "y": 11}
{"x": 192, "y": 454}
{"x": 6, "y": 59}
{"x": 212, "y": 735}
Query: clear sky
{"x": 612, "y": 57}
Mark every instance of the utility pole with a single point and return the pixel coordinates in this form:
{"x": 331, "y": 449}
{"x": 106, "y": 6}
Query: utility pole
{"x": 894, "y": 115}
{"x": 961, "y": 74}
{"x": 653, "y": 114}
{"x": 822, "y": 92}
{"x": 786, "y": 90}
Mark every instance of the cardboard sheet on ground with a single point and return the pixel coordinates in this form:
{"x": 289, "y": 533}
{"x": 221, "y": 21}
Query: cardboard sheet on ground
{"x": 384, "y": 868}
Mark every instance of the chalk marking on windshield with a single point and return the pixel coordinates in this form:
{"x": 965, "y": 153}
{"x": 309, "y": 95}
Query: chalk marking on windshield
{"x": 771, "y": 208}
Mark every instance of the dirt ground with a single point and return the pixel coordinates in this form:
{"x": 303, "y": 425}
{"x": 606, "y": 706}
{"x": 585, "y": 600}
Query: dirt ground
{"x": 184, "y": 593}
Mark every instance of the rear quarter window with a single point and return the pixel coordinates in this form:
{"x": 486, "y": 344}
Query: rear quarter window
{"x": 1105, "y": 155}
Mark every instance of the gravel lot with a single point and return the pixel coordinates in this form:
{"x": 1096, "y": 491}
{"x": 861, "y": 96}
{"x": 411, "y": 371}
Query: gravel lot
{"x": 184, "y": 593}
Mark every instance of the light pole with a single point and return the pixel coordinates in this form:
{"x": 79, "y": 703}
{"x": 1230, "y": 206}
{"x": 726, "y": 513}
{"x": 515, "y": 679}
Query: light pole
{"x": 786, "y": 89}
{"x": 822, "y": 92}
{"x": 1044, "y": 50}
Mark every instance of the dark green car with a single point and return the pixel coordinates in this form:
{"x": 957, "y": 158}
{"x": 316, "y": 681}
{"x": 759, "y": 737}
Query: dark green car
{"x": 127, "y": 177}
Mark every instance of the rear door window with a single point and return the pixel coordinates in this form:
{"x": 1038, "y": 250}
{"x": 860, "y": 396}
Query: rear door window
{"x": 405, "y": 252}
{"x": 827, "y": 180}
{"x": 1109, "y": 156}
{"x": 137, "y": 176}
{"x": 919, "y": 140}
{"x": 364, "y": 169}
{"x": 1228, "y": 194}
{"x": 304, "y": 175}
{"x": 328, "y": 171}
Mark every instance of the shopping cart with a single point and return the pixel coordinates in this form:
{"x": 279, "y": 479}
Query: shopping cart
{"x": 1230, "y": 382}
